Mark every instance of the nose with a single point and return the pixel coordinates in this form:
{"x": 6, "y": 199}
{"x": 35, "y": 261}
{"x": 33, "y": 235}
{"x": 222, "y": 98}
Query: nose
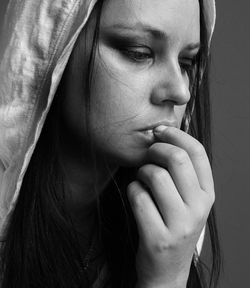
{"x": 172, "y": 85}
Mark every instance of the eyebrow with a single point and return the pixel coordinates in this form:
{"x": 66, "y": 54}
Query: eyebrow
{"x": 154, "y": 32}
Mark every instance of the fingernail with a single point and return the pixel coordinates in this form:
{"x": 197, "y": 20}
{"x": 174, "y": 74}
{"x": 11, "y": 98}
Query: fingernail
{"x": 159, "y": 129}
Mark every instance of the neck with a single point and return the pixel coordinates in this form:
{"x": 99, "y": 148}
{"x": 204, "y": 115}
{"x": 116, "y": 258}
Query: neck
{"x": 83, "y": 184}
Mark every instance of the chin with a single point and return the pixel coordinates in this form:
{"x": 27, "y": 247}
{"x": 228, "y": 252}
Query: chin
{"x": 128, "y": 158}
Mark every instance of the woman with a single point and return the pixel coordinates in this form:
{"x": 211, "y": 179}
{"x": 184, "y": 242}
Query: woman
{"x": 114, "y": 190}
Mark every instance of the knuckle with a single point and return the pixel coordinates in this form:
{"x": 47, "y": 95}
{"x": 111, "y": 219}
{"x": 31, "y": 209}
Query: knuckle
{"x": 201, "y": 214}
{"x": 199, "y": 150}
{"x": 141, "y": 172}
{"x": 212, "y": 197}
{"x": 144, "y": 171}
{"x": 154, "y": 148}
{"x": 135, "y": 194}
{"x": 162, "y": 245}
{"x": 132, "y": 190}
{"x": 201, "y": 211}
{"x": 158, "y": 175}
{"x": 179, "y": 156}
{"x": 183, "y": 234}
{"x": 132, "y": 187}
{"x": 187, "y": 231}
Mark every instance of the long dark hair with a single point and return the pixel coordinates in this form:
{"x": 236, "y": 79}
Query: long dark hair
{"x": 41, "y": 246}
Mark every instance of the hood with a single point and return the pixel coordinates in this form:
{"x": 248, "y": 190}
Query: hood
{"x": 36, "y": 43}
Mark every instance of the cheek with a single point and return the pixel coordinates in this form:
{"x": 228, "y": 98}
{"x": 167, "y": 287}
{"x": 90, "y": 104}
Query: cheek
{"x": 117, "y": 103}
{"x": 116, "y": 98}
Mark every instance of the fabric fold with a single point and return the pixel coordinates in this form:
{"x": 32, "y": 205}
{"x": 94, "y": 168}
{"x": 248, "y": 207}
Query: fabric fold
{"x": 36, "y": 42}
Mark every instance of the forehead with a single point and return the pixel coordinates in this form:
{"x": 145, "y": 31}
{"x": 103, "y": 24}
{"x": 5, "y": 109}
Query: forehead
{"x": 179, "y": 19}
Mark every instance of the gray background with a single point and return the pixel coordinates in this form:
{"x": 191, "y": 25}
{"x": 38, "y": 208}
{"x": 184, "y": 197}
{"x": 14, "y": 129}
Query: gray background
{"x": 230, "y": 81}
{"x": 231, "y": 129}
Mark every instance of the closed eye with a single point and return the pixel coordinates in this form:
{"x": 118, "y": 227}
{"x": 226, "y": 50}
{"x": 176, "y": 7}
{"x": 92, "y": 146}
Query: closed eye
{"x": 137, "y": 53}
{"x": 188, "y": 64}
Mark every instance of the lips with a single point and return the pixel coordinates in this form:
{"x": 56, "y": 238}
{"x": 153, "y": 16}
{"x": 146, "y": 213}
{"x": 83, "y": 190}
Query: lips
{"x": 147, "y": 133}
{"x": 149, "y": 129}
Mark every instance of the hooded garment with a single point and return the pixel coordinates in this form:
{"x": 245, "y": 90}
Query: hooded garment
{"x": 36, "y": 42}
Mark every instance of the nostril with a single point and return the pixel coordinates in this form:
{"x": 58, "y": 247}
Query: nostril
{"x": 177, "y": 93}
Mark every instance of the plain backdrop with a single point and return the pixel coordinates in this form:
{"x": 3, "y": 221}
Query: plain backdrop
{"x": 230, "y": 79}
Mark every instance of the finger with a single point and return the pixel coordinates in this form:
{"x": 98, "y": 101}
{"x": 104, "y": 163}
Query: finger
{"x": 195, "y": 151}
{"x": 181, "y": 169}
{"x": 148, "y": 219}
{"x": 164, "y": 192}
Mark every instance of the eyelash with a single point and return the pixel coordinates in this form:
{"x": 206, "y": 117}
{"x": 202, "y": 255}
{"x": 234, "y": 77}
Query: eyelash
{"x": 186, "y": 64}
{"x": 136, "y": 55}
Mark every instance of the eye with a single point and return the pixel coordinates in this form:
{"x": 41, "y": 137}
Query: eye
{"x": 137, "y": 54}
{"x": 188, "y": 65}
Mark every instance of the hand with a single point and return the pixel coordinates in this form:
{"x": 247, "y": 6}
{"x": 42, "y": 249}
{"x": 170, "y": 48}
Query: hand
{"x": 171, "y": 200}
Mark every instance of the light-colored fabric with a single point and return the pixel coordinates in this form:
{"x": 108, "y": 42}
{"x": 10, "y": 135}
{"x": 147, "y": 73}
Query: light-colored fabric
{"x": 39, "y": 37}
{"x": 37, "y": 40}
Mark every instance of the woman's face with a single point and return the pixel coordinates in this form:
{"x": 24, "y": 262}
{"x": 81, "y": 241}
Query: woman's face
{"x": 140, "y": 75}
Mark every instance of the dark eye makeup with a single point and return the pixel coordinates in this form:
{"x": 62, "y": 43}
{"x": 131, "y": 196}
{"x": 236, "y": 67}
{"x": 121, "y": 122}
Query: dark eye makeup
{"x": 188, "y": 64}
{"x": 136, "y": 49}
{"x": 137, "y": 53}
